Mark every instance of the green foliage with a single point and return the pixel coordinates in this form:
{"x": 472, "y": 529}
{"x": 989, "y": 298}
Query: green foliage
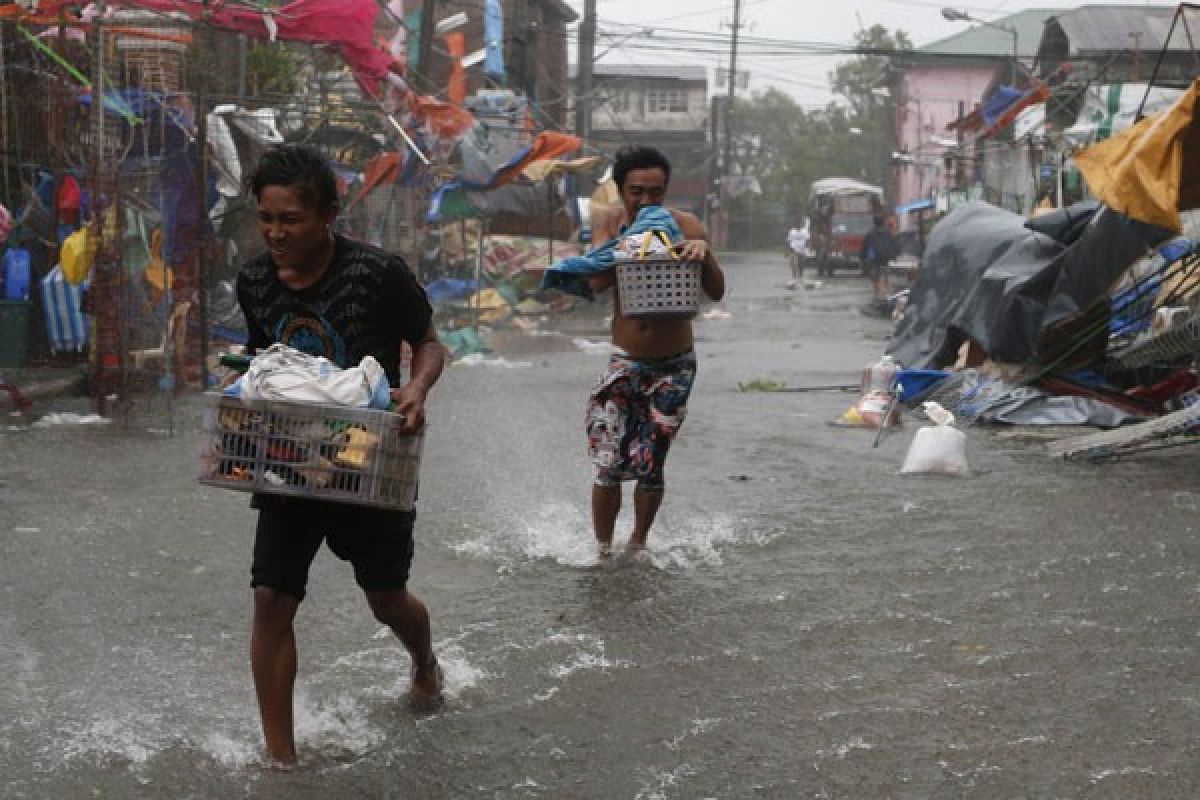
{"x": 795, "y": 146}
{"x": 272, "y": 69}
{"x": 865, "y": 85}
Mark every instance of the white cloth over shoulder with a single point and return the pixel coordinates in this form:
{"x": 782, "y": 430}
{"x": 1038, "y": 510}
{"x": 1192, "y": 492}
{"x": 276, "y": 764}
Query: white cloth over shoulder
{"x": 284, "y": 373}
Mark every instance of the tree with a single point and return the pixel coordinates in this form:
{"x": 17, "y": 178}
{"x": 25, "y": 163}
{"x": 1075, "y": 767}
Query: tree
{"x": 272, "y": 70}
{"x": 787, "y": 147}
{"x": 865, "y": 86}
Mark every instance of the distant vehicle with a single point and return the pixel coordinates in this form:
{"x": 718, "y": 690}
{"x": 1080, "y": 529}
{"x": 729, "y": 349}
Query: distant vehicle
{"x": 842, "y": 210}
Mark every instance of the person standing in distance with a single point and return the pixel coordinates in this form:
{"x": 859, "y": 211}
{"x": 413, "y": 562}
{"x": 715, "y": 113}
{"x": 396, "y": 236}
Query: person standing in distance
{"x": 638, "y": 405}
{"x": 323, "y": 294}
{"x": 797, "y": 241}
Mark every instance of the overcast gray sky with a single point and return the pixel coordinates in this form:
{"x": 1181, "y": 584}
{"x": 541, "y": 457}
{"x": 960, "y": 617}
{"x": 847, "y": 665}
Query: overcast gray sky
{"x": 802, "y": 75}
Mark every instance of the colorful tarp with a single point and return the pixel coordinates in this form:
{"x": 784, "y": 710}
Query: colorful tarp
{"x": 1147, "y": 171}
{"x": 547, "y": 145}
{"x": 347, "y": 26}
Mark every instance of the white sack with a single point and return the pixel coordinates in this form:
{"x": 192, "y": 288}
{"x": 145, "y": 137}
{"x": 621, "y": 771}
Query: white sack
{"x": 939, "y": 448}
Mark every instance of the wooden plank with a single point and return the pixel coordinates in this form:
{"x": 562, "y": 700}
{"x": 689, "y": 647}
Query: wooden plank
{"x": 1098, "y": 444}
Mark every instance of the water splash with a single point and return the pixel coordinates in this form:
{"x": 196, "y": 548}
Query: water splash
{"x": 337, "y": 727}
{"x": 562, "y": 533}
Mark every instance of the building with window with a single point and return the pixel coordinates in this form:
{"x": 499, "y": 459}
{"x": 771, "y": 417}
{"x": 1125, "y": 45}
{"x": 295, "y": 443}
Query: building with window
{"x": 942, "y": 82}
{"x": 660, "y": 106}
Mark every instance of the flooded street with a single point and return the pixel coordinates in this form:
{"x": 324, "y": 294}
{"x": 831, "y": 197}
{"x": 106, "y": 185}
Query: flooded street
{"x": 808, "y": 622}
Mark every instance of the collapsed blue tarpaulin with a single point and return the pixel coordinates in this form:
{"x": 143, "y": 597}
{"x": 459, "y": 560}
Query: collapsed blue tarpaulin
{"x": 1133, "y": 307}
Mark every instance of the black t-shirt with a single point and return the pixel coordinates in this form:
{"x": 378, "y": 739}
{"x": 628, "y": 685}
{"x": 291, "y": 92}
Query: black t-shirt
{"x": 366, "y": 303}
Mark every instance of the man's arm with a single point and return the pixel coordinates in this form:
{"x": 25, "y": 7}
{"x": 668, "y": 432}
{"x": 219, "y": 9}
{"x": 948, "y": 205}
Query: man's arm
{"x": 695, "y": 248}
{"x": 428, "y": 361}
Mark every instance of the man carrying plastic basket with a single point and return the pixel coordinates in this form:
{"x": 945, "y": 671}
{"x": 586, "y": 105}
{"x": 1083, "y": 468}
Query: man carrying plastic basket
{"x": 326, "y": 295}
{"x": 639, "y": 404}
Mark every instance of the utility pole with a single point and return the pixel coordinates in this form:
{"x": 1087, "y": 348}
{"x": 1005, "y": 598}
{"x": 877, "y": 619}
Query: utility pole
{"x": 529, "y": 33}
{"x": 423, "y": 80}
{"x": 1137, "y": 56}
{"x": 727, "y": 166}
{"x": 583, "y": 78}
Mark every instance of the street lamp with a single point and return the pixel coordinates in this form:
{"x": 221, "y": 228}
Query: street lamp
{"x": 954, "y": 15}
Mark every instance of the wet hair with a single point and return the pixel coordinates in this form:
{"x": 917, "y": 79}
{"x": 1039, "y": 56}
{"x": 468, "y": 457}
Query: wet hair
{"x": 298, "y": 165}
{"x": 638, "y": 157}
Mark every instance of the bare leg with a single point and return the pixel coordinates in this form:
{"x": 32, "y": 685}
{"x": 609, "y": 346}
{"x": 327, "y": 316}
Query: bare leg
{"x": 645, "y": 507}
{"x": 273, "y": 662}
{"x": 606, "y": 505}
{"x": 408, "y": 618}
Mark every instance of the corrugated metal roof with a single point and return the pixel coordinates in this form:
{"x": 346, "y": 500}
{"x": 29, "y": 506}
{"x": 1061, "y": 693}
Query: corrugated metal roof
{"x": 680, "y": 73}
{"x": 982, "y": 40}
{"x": 1106, "y": 29}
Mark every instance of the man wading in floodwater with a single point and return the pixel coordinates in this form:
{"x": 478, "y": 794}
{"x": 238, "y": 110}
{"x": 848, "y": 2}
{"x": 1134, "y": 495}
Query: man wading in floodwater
{"x": 330, "y": 296}
{"x": 638, "y": 405}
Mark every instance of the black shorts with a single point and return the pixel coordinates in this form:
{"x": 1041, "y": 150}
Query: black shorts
{"x": 377, "y": 542}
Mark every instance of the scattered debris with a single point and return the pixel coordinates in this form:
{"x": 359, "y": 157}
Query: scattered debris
{"x": 70, "y": 418}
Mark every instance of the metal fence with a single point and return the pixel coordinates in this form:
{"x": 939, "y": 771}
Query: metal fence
{"x": 115, "y": 198}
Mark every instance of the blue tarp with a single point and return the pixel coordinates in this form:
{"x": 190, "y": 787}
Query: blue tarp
{"x": 915, "y": 205}
{"x": 998, "y": 102}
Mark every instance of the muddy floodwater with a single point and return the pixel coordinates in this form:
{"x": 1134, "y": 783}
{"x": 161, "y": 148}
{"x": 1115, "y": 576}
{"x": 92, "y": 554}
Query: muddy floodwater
{"x": 807, "y": 623}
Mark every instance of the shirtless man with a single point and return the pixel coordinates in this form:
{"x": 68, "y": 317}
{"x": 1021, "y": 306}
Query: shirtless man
{"x": 639, "y": 404}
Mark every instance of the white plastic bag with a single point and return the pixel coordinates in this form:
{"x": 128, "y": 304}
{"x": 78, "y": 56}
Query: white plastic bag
{"x": 283, "y": 373}
{"x": 939, "y": 448}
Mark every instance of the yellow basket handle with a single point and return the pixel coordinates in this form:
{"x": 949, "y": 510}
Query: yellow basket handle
{"x": 662, "y": 237}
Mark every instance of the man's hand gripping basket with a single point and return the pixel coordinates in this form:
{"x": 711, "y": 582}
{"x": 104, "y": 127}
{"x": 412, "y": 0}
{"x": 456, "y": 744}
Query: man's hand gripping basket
{"x": 658, "y": 285}
{"x": 346, "y": 455}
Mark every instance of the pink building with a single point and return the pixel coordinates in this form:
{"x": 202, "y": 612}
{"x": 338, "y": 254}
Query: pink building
{"x": 941, "y": 82}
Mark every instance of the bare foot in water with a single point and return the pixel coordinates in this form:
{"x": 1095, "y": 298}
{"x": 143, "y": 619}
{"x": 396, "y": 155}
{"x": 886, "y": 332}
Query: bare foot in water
{"x": 425, "y": 692}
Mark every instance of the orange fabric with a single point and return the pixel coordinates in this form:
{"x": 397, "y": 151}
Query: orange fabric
{"x": 1140, "y": 171}
{"x": 547, "y": 144}
{"x": 444, "y": 119}
{"x": 456, "y": 87}
{"x": 383, "y": 168}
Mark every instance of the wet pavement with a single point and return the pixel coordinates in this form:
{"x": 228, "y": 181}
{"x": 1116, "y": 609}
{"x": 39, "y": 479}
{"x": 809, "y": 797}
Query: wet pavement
{"x": 808, "y": 623}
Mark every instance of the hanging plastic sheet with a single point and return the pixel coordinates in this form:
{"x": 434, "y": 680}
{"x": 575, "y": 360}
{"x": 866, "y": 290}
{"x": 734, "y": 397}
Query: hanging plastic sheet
{"x": 456, "y": 86}
{"x": 547, "y": 145}
{"x": 493, "y": 40}
{"x": 345, "y": 25}
{"x": 1149, "y": 171}
{"x": 66, "y": 325}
